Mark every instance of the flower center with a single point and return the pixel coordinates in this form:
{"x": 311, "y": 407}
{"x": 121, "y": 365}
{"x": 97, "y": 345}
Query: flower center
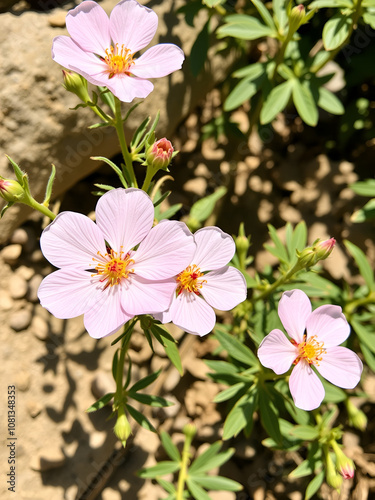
{"x": 115, "y": 269}
{"x": 118, "y": 60}
{"x": 188, "y": 280}
{"x": 310, "y": 350}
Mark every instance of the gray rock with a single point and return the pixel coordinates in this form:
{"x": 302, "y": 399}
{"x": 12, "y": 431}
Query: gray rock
{"x": 20, "y": 320}
{"x": 11, "y": 253}
{"x": 17, "y": 287}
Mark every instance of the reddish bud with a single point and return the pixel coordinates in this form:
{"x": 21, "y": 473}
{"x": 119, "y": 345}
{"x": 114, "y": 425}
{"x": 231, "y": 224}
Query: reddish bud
{"x": 159, "y": 155}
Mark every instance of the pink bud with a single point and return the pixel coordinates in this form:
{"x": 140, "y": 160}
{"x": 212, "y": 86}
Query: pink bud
{"x": 11, "y": 190}
{"x": 159, "y": 155}
{"x": 324, "y": 248}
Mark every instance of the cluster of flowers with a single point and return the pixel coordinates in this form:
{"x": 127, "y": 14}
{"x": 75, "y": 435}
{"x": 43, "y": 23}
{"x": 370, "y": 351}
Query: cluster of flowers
{"x": 123, "y": 267}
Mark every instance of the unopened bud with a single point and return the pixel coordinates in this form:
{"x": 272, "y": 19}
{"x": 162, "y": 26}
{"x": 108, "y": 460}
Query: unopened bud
{"x": 356, "y": 416}
{"x": 344, "y": 464}
{"x": 333, "y": 478}
{"x": 11, "y": 190}
{"x": 189, "y": 430}
{"x": 159, "y": 154}
{"x": 242, "y": 245}
{"x": 296, "y": 18}
{"x": 320, "y": 250}
{"x": 76, "y": 84}
{"x": 122, "y": 427}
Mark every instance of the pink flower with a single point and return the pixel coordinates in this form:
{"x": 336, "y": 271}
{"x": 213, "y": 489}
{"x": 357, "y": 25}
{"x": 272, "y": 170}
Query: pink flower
{"x": 103, "y": 49}
{"x": 315, "y": 338}
{"x": 206, "y": 283}
{"x": 101, "y": 274}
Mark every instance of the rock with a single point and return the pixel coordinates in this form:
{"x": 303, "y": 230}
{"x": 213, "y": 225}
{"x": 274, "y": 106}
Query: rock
{"x": 17, "y": 287}
{"x": 11, "y": 253}
{"x": 168, "y": 411}
{"x": 37, "y": 256}
{"x": 102, "y": 384}
{"x": 39, "y": 328}
{"x": 57, "y": 19}
{"x": 19, "y": 237}
{"x": 22, "y": 381}
{"x": 48, "y": 458}
{"x": 25, "y": 272}
{"x": 20, "y": 320}
{"x": 97, "y": 439}
{"x": 172, "y": 380}
{"x": 34, "y": 408}
{"x": 244, "y": 450}
{"x": 6, "y": 302}
{"x": 197, "y": 367}
{"x": 33, "y": 288}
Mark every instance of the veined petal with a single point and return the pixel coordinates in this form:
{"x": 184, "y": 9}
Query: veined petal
{"x": 224, "y": 288}
{"x": 294, "y": 309}
{"x": 305, "y": 387}
{"x": 67, "y": 293}
{"x": 125, "y": 216}
{"x": 88, "y": 25}
{"x": 214, "y": 248}
{"x": 72, "y": 240}
{"x": 132, "y": 25}
{"x": 127, "y": 88}
{"x": 106, "y": 315}
{"x": 166, "y": 251}
{"x": 277, "y": 352}
{"x": 163, "y": 317}
{"x": 192, "y": 314}
{"x": 158, "y": 61}
{"x": 71, "y": 56}
{"x": 329, "y": 325}
{"x": 141, "y": 296}
{"x": 341, "y": 367}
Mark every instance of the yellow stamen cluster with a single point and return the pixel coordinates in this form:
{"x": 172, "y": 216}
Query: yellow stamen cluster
{"x": 310, "y": 350}
{"x": 115, "y": 269}
{"x": 188, "y": 280}
{"x": 119, "y": 60}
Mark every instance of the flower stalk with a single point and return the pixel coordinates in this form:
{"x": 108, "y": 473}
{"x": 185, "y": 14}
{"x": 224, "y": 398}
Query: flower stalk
{"x": 189, "y": 431}
{"x": 119, "y": 126}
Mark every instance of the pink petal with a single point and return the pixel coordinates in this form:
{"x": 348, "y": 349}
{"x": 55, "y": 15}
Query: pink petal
{"x": 214, "y": 248}
{"x": 163, "y": 317}
{"x": 132, "y": 25}
{"x": 166, "y": 251}
{"x": 72, "y": 240}
{"x": 158, "y": 61}
{"x": 341, "y": 367}
{"x": 294, "y": 309}
{"x": 88, "y": 25}
{"x": 277, "y": 352}
{"x": 305, "y": 387}
{"x": 225, "y": 288}
{"x": 71, "y": 56}
{"x": 125, "y": 216}
{"x": 67, "y": 293}
{"x": 141, "y": 296}
{"x": 329, "y": 325}
{"x": 127, "y": 88}
{"x": 192, "y": 314}
{"x": 106, "y": 316}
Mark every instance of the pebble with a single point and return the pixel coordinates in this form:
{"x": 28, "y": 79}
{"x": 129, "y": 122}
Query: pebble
{"x": 25, "y": 272}
{"x": 22, "y": 381}
{"x": 20, "y": 320}
{"x": 172, "y": 380}
{"x": 17, "y": 287}
{"x": 57, "y": 19}
{"x": 97, "y": 439}
{"x": 37, "y": 256}
{"x": 34, "y": 408}
{"x": 39, "y": 328}
{"x": 6, "y": 303}
{"x": 19, "y": 237}
{"x": 169, "y": 411}
{"x": 47, "y": 459}
{"x": 244, "y": 450}
{"x": 102, "y": 384}
{"x": 33, "y": 288}
{"x": 11, "y": 253}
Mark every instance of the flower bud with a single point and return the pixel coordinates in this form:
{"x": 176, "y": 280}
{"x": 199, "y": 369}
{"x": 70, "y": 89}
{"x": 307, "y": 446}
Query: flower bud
{"x": 76, "y": 84}
{"x": 333, "y": 478}
{"x": 296, "y": 18}
{"x": 343, "y": 464}
{"x": 356, "y": 416}
{"x": 324, "y": 248}
{"x": 242, "y": 245}
{"x": 122, "y": 427}
{"x": 189, "y": 430}
{"x": 159, "y": 155}
{"x": 320, "y": 250}
{"x": 11, "y": 190}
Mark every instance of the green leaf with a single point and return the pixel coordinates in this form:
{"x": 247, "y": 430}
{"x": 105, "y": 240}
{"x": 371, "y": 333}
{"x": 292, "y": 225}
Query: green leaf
{"x": 243, "y": 91}
{"x": 221, "y": 366}
{"x": 204, "y": 207}
{"x": 330, "y": 4}
{"x": 314, "y": 485}
{"x": 100, "y": 403}
{"x": 333, "y": 394}
{"x": 231, "y": 392}
{"x": 365, "y": 334}
{"x": 329, "y": 102}
{"x": 198, "y": 54}
{"x": 306, "y": 432}
{"x": 363, "y": 264}
{"x": 296, "y": 240}
{"x": 252, "y": 72}
{"x": 47, "y": 196}
{"x": 210, "y": 459}
{"x": 170, "y": 448}
{"x": 369, "y": 357}
{"x": 244, "y": 27}
{"x": 279, "y": 251}
{"x": 145, "y": 382}
{"x": 280, "y": 14}
{"x": 216, "y": 483}
{"x": 369, "y": 18}
{"x": 269, "y": 416}
{"x": 114, "y": 364}
{"x": 305, "y": 103}
{"x": 196, "y": 491}
{"x": 276, "y": 101}
{"x": 213, "y": 3}
{"x": 139, "y": 133}
{"x": 150, "y": 400}
{"x": 170, "y": 212}
{"x": 168, "y": 487}
{"x": 170, "y": 346}
{"x": 367, "y": 212}
{"x": 17, "y": 170}
{"x": 266, "y": 16}
{"x": 240, "y": 416}
{"x": 161, "y": 469}
{"x": 140, "y": 418}
{"x": 304, "y": 469}
{"x": 235, "y": 348}
{"x": 364, "y": 188}
{"x": 336, "y": 31}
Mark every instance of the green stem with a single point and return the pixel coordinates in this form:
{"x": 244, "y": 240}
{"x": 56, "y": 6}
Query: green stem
{"x": 280, "y": 281}
{"x": 182, "y": 476}
{"x": 149, "y": 175}
{"x": 120, "y": 368}
{"x": 119, "y": 126}
{"x": 354, "y": 304}
{"x": 41, "y": 208}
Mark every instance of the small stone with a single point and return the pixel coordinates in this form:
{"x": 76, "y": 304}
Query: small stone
{"x": 97, "y": 439}
{"x": 168, "y": 411}
{"x": 22, "y": 381}
{"x": 197, "y": 367}
{"x": 102, "y": 384}
{"x": 244, "y": 450}
{"x": 34, "y": 408}
{"x": 20, "y": 320}
{"x": 39, "y": 328}
{"x": 33, "y": 288}
{"x": 37, "y": 256}
{"x": 25, "y": 272}
{"x": 11, "y": 253}
{"x": 17, "y": 287}
{"x": 48, "y": 459}
{"x": 172, "y": 380}
{"x": 19, "y": 237}
{"x": 6, "y": 303}
{"x": 57, "y": 19}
